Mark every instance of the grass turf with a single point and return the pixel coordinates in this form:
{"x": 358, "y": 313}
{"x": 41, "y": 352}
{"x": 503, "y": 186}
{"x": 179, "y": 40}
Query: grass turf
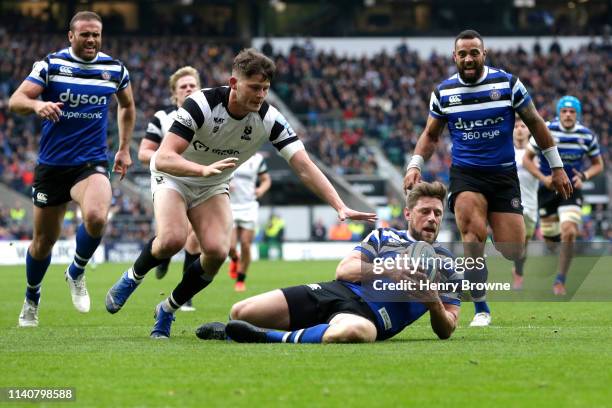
{"x": 535, "y": 354}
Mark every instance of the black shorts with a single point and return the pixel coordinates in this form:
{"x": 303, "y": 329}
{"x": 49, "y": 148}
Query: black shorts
{"x": 318, "y": 303}
{"x": 500, "y": 188}
{"x": 549, "y": 201}
{"x": 52, "y": 184}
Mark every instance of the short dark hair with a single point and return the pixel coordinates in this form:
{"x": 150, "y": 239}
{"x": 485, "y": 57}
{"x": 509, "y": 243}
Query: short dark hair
{"x": 251, "y": 62}
{"x": 424, "y": 189}
{"x": 468, "y": 35}
{"x": 84, "y": 16}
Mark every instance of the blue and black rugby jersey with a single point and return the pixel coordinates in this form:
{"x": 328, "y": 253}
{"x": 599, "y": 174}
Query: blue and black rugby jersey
{"x": 573, "y": 145}
{"x": 480, "y": 117}
{"x": 392, "y": 316}
{"x": 85, "y": 88}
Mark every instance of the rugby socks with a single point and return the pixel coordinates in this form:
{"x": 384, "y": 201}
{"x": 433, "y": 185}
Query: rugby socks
{"x": 241, "y": 277}
{"x": 519, "y": 266}
{"x": 189, "y": 259}
{"x": 85, "y": 247}
{"x": 145, "y": 261}
{"x": 35, "y": 272}
{"x": 560, "y": 279}
{"x": 192, "y": 283}
{"x": 478, "y": 275}
{"x": 309, "y": 335}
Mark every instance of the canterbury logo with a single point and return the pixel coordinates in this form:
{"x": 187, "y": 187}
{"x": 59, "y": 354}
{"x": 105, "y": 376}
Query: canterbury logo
{"x": 65, "y": 70}
{"x": 454, "y": 99}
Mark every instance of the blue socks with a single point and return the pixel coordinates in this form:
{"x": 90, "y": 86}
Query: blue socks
{"x": 560, "y": 278}
{"x": 481, "y": 307}
{"x": 35, "y": 272}
{"x": 85, "y": 247}
{"x": 309, "y": 335}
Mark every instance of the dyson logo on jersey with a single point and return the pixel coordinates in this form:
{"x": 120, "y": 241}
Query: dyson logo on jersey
{"x": 471, "y": 124}
{"x": 74, "y": 99}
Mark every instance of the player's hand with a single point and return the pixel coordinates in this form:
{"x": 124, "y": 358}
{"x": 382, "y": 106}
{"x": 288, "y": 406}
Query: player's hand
{"x": 423, "y": 293}
{"x": 122, "y": 162}
{"x": 412, "y": 177}
{"x": 561, "y": 183}
{"x": 218, "y": 166}
{"x": 49, "y": 110}
{"x": 577, "y": 179}
{"x": 547, "y": 182}
{"x": 351, "y": 214}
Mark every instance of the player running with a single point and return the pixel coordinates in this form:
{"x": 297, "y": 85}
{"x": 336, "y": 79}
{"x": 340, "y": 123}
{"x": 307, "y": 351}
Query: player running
{"x": 184, "y": 82}
{"x": 244, "y": 193}
{"x": 76, "y": 86}
{"x": 478, "y": 104}
{"x": 341, "y": 311}
{"x": 560, "y": 216}
{"x": 214, "y": 131}
{"x": 529, "y": 196}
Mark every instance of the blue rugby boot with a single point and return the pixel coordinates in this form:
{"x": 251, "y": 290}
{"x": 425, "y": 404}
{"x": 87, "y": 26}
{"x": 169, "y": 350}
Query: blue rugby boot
{"x": 120, "y": 292}
{"x": 163, "y": 323}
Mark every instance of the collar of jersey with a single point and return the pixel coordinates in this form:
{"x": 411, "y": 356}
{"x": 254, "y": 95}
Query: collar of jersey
{"x": 485, "y": 72}
{"x": 571, "y": 130}
{"x": 225, "y": 103}
{"x": 73, "y": 55}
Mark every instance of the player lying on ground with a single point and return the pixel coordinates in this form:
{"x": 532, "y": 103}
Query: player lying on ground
{"x": 340, "y": 311}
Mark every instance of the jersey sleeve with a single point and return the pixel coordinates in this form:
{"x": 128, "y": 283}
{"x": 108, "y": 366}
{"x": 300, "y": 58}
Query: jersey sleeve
{"x": 594, "y": 149}
{"x": 39, "y": 73}
{"x": 189, "y": 118}
{"x": 435, "y": 109}
{"x": 125, "y": 78}
{"x": 263, "y": 167}
{"x": 284, "y": 138}
{"x": 370, "y": 245}
{"x": 520, "y": 96}
{"x": 154, "y": 129}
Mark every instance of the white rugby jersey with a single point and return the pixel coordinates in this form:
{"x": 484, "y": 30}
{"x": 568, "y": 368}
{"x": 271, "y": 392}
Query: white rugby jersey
{"x": 529, "y": 186}
{"x": 242, "y": 186}
{"x": 213, "y": 134}
{"x": 160, "y": 124}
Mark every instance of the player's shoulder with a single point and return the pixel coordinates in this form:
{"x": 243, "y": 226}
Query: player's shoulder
{"x": 448, "y": 83}
{"x": 494, "y": 72}
{"x": 582, "y": 129}
{"x": 165, "y": 112}
{"x": 213, "y": 97}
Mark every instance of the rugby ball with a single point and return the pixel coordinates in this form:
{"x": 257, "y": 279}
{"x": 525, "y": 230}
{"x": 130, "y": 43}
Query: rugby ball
{"x": 423, "y": 255}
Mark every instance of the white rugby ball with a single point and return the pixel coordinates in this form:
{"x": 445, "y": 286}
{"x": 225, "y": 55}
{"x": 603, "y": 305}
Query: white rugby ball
{"x": 425, "y": 254}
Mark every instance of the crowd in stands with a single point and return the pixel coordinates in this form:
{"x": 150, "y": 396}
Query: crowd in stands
{"x": 345, "y": 103}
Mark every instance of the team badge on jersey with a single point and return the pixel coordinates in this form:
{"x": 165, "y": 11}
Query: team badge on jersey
{"x": 495, "y": 95}
{"x": 106, "y": 75}
{"x": 247, "y": 131}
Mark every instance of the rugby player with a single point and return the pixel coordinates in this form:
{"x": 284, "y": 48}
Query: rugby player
{"x": 75, "y": 86}
{"x": 215, "y": 131}
{"x": 478, "y": 104}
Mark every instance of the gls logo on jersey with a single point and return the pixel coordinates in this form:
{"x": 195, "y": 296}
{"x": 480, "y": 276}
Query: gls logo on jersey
{"x": 75, "y": 100}
{"x": 469, "y": 125}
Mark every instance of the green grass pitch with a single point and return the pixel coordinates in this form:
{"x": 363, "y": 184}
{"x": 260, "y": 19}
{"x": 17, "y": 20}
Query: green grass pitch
{"x": 544, "y": 354}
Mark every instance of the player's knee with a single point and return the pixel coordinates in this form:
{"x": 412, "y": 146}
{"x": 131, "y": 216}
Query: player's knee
{"x": 512, "y": 252}
{"x": 95, "y": 221}
{"x": 569, "y": 232}
{"x": 169, "y": 244}
{"x": 217, "y": 251}
{"x": 240, "y": 311}
{"x": 41, "y": 246}
{"x": 355, "y": 332}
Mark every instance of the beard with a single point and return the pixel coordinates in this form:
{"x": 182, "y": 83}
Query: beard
{"x": 478, "y": 70}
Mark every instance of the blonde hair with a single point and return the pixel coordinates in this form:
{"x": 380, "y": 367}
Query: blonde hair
{"x": 424, "y": 189}
{"x": 182, "y": 72}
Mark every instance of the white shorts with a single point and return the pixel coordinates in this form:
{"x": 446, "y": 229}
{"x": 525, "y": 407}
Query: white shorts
{"x": 192, "y": 194}
{"x": 246, "y": 216}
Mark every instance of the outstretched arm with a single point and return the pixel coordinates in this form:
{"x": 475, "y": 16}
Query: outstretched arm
{"x": 316, "y": 181}
{"x": 444, "y": 318}
{"x": 423, "y": 150}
